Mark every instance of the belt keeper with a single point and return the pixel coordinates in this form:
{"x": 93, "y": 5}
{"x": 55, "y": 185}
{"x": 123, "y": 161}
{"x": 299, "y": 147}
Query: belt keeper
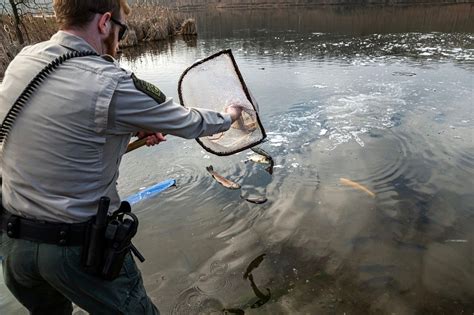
{"x": 63, "y": 235}
{"x": 13, "y": 226}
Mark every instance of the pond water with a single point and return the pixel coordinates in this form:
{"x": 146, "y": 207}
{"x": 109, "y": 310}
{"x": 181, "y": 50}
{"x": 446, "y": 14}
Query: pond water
{"x": 383, "y": 97}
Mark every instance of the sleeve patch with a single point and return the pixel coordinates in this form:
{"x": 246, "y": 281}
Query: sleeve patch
{"x": 149, "y": 89}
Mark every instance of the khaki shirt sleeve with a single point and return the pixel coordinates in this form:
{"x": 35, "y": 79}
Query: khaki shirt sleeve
{"x": 132, "y": 110}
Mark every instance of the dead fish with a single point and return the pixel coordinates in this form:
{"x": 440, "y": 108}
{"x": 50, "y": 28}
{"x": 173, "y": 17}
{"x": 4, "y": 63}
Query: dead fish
{"x": 222, "y": 180}
{"x": 255, "y": 200}
{"x": 348, "y": 182}
{"x": 254, "y": 264}
{"x": 261, "y": 152}
{"x": 258, "y": 158}
{"x": 267, "y": 156}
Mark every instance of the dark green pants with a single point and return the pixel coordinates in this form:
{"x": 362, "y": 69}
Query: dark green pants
{"x": 46, "y": 278}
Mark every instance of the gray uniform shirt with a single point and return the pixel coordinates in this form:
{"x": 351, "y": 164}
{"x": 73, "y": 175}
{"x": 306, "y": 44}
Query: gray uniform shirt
{"x": 65, "y": 148}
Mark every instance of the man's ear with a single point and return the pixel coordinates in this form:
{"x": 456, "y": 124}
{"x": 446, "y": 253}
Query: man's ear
{"x": 105, "y": 23}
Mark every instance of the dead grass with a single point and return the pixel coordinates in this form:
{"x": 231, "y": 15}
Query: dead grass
{"x": 147, "y": 22}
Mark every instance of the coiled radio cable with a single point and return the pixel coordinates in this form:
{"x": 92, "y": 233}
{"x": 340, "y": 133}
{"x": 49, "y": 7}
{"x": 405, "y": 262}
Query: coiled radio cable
{"x": 21, "y": 101}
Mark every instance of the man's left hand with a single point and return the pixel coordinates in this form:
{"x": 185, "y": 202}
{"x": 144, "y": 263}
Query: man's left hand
{"x": 152, "y": 138}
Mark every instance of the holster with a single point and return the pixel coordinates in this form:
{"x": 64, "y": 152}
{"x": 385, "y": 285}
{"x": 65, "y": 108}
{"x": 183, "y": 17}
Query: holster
{"x": 109, "y": 240}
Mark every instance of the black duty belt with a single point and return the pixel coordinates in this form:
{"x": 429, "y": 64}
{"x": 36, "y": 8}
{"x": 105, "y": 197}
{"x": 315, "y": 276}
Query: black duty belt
{"x": 63, "y": 234}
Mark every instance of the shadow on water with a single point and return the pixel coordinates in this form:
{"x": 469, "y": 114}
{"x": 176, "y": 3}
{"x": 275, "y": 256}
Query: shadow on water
{"x": 261, "y": 298}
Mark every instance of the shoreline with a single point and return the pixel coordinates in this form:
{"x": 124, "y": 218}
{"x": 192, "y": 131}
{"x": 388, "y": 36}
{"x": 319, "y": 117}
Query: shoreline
{"x": 147, "y": 23}
{"x": 191, "y": 5}
{"x": 151, "y": 23}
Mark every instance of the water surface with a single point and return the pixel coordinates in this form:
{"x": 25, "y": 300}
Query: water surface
{"x": 389, "y": 108}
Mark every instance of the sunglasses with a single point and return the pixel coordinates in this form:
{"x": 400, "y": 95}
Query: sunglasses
{"x": 123, "y": 27}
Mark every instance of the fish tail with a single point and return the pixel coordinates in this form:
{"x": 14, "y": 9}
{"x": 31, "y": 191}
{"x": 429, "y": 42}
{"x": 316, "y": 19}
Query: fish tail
{"x": 270, "y": 169}
{"x": 210, "y": 168}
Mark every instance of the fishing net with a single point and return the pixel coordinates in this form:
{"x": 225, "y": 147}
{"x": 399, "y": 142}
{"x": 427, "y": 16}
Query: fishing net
{"x": 215, "y": 83}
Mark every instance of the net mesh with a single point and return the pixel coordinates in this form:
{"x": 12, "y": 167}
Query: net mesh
{"x": 215, "y": 83}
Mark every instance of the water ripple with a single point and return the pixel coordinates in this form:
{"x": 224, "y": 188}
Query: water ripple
{"x": 192, "y": 301}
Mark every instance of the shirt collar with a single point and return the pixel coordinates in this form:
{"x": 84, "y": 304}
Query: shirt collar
{"x": 71, "y": 41}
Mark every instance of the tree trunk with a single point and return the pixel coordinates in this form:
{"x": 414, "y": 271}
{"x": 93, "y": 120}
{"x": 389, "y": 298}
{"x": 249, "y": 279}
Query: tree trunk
{"x": 16, "y": 15}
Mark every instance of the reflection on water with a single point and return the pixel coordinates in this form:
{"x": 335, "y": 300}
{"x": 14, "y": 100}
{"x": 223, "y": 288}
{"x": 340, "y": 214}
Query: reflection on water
{"x": 352, "y": 19}
{"x": 392, "y": 112}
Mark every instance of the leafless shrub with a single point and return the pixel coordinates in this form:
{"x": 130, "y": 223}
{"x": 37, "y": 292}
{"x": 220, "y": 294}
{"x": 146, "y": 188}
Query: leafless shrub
{"x": 34, "y": 22}
{"x": 189, "y": 27}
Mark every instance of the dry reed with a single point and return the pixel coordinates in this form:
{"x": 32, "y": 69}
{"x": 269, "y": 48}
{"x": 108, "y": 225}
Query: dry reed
{"x": 147, "y": 22}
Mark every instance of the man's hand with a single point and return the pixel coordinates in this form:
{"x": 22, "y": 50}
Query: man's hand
{"x": 153, "y": 138}
{"x": 234, "y": 111}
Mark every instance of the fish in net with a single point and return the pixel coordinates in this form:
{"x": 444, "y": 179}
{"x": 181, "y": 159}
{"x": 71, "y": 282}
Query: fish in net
{"x": 216, "y": 83}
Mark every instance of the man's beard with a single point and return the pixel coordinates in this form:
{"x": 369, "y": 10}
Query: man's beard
{"x": 110, "y": 48}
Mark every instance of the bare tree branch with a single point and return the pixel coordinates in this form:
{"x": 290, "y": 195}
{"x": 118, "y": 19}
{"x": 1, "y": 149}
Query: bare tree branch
{"x": 18, "y": 9}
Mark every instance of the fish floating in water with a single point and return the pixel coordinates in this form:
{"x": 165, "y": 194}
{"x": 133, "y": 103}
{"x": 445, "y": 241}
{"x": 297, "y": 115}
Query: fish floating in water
{"x": 262, "y": 157}
{"x": 227, "y": 183}
{"x": 257, "y": 158}
{"x": 261, "y": 152}
{"x": 348, "y": 182}
{"x": 255, "y": 200}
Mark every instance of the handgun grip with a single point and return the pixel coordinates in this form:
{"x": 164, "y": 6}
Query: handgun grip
{"x": 102, "y": 211}
{"x": 137, "y": 253}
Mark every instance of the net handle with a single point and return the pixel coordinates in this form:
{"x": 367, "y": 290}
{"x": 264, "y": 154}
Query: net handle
{"x": 137, "y": 144}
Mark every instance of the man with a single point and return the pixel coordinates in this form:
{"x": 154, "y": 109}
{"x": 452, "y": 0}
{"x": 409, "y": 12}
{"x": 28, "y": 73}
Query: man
{"x": 63, "y": 154}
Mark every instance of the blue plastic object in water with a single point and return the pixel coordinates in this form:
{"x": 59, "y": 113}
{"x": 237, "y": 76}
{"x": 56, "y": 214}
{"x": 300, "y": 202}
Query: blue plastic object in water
{"x": 150, "y": 191}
